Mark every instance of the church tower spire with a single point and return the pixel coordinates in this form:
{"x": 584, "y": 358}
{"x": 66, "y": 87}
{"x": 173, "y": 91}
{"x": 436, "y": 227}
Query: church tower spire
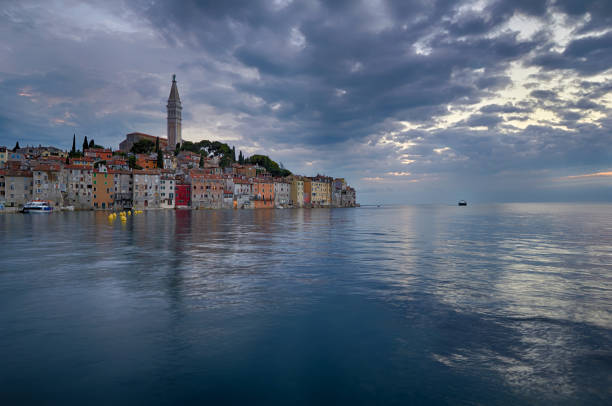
{"x": 174, "y": 116}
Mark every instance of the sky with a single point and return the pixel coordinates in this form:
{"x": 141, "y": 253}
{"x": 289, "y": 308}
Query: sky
{"x": 410, "y": 101}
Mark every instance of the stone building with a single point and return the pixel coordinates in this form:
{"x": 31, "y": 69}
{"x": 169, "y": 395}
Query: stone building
{"x": 78, "y": 191}
{"x": 282, "y": 192}
{"x": 18, "y": 187}
{"x": 296, "y": 198}
{"x": 123, "y": 188}
{"x": 48, "y": 184}
{"x": 167, "y": 190}
{"x": 146, "y": 189}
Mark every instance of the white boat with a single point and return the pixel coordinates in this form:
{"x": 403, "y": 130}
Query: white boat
{"x": 37, "y": 206}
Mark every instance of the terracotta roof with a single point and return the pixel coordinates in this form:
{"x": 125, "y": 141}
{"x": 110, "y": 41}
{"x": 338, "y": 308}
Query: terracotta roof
{"x": 145, "y": 172}
{"x": 47, "y": 167}
{"x": 80, "y": 167}
{"x": 19, "y": 173}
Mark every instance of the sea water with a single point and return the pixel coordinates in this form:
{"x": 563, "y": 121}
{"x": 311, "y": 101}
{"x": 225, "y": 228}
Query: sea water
{"x": 490, "y": 304}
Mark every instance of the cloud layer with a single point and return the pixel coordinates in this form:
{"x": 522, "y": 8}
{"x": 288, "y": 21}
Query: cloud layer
{"x": 410, "y": 101}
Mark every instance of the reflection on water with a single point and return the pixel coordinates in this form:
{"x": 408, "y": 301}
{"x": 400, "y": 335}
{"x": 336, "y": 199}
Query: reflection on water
{"x": 492, "y": 304}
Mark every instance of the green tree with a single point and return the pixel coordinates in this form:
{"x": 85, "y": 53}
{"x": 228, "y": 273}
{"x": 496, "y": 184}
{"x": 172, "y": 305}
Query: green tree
{"x": 132, "y": 162}
{"x": 233, "y": 153}
{"x": 143, "y": 147}
{"x": 225, "y": 161}
{"x": 16, "y": 146}
{"x": 240, "y": 158}
{"x": 201, "y": 160}
{"x": 92, "y": 144}
{"x": 269, "y": 165}
{"x": 67, "y": 161}
{"x": 85, "y": 144}
{"x": 73, "y": 151}
{"x": 160, "y": 158}
{"x": 157, "y": 144}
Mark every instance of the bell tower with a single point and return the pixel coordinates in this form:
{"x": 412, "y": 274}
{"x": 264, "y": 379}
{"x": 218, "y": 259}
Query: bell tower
{"x": 174, "y": 116}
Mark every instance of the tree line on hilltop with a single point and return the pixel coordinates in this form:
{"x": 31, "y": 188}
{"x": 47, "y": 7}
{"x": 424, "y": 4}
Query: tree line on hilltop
{"x": 227, "y": 156}
{"x": 205, "y": 148}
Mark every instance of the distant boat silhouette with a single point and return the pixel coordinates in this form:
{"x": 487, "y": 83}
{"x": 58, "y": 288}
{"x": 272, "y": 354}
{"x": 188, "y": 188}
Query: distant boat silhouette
{"x": 462, "y": 203}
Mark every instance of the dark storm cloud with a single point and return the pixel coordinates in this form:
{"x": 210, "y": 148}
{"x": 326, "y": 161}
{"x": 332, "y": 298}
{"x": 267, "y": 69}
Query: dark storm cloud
{"x": 483, "y": 120}
{"x": 587, "y": 56}
{"x": 353, "y": 71}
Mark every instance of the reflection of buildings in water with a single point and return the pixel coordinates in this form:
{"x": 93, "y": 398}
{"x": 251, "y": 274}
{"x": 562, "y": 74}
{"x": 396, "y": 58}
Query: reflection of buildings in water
{"x": 176, "y": 241}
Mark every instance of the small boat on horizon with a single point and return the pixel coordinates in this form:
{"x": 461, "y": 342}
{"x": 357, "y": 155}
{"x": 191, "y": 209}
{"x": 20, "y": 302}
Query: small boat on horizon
{"x": 462, "y": 203}
{"x": 37, "y": 206}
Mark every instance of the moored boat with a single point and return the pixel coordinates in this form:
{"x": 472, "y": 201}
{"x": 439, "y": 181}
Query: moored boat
{"x": 462, "y": 203}
{"x": 37, "y": 206}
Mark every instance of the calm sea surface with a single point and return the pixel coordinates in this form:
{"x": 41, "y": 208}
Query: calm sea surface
{"x": 499, "y": 304}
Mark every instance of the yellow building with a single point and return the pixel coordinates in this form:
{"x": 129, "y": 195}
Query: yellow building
{"x": 320, "y": 194}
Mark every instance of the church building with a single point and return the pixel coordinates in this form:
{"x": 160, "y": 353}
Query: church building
{"x": 174, "y": 116}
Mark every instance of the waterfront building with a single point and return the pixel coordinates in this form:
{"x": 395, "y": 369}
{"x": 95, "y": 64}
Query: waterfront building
{"x": 167, "y": 189}
{"x": 146, "y": 189}
{"x": 18, "y": 187}
{"x": 183, "y": 195}
{"x": 206, "y": 190}
{"x": 348, "y": 197}
{"x": 263, "y": 193}
{"x": 242, "y": 192}
{"x": 338, "y": 185}
{"x": 282, "y": 193}
{"x": 296, "y": 198}
{"x": 228, "y": 191}
{"x": 307, "y": 191}
{"x": 123, "y": 188}
{"x": 321, "y": 190}
{"x": 78, "y": 191}
{"x": 103, "y": 190}
{"x": 48, "y": 183}
{"x": 228, "y": 198}
{"x": 174, "y": 109}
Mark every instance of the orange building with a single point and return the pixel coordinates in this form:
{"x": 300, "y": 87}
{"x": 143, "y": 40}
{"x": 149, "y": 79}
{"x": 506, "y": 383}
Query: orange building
{"x": 263, "y": 191}
{"x": 307, "y": 191}
{"x": 103, "y": 190}
{"x": 99, "y": 153}
{"x": 146, "y": 161}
